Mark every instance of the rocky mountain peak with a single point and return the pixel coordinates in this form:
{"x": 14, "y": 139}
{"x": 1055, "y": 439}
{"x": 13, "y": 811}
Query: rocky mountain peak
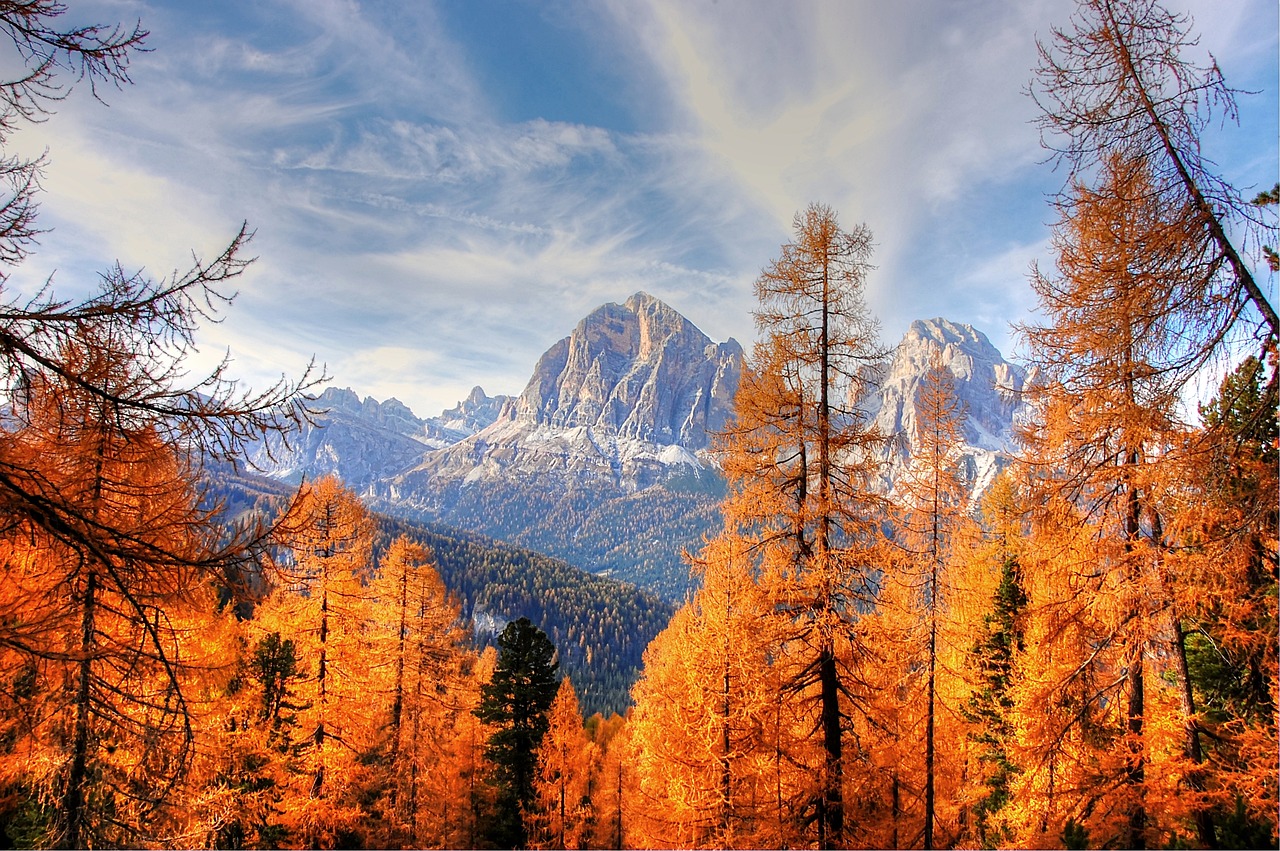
{"x": 636, "y": 370}
{"x": 990, "y": 388}
{"x": 392, "y": 414}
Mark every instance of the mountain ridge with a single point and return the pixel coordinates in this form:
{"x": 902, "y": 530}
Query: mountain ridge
{"x": 605, "y": 458}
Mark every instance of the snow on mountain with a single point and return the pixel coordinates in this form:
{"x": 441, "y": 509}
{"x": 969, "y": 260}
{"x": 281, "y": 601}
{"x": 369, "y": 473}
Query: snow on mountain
{"x": 604, "y": 459}
{"x": 464, "y": 419}
{"x": 363, "y": 441}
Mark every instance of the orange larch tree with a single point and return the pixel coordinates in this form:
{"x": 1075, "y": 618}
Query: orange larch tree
{"x": 1116, "y": 353}
{"x": 698, "y": 712}
{"x": 566, "y": 763}
{"x": 933, "y": 497}
{"x": 799, "y": 458}
{"x": 320, "y": 604}
{"x": 416, "y": 661}
{"x": 101, "y": 636}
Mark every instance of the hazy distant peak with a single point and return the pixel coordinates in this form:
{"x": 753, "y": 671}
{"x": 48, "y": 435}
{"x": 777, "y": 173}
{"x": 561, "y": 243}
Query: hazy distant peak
{"x": 340, "y": 398}
{"x": 944, "y": 332}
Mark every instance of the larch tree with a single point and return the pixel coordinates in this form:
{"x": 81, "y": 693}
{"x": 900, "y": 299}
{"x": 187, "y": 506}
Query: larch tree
{"x": 320, "y": 604}
{"x": 1120, "y": 83}
{"x": 103, "y": 635}
{"x": 420, "y": 642}
{"x": 933, "y": 496}
{"x": 104, "y": 440}
{"x": 700, "y": 728}
{"x": 612, "y": 784}
{"x": 1124, "y": 107}
{"x": 799, "y": 458}
{"x": 1115, "y": 354}
{"x": 566, "y": 760}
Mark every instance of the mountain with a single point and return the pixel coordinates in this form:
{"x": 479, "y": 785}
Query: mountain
{"x": 603, "y": 460}
{"x": 623, "y": 402}
{"x": 464, "y": 419}
{"x": 364, "y": 441}
{"x": 989, "y": 387}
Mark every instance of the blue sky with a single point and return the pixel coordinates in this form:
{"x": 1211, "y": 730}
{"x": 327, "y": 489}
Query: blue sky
{"x": 440, "y": 191}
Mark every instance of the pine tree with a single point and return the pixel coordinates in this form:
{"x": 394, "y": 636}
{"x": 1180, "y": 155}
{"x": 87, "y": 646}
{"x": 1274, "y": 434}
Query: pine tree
{"x": 1227, "y": 568}
{"x": 989, "y": 708}
{"x": 515, "y": 703}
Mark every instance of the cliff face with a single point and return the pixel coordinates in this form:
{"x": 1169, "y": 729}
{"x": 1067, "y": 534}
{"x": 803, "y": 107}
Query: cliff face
{"x": 638, "y": 371}
{"x": 364, "y": 441}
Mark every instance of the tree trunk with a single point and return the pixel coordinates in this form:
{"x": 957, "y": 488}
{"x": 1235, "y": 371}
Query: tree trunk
{"x": 929, "y": 737}
{"x": 726, "y": 774}
{"x": 832, "y": 807}
{"x": 1228, "y": 251}
{"x": 1205, "y": 831}
{"x": 74, "y": 801}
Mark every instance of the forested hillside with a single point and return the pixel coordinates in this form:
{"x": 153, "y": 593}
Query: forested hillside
{"x": 599, "y": 625}
{"x": 639, "y": 536}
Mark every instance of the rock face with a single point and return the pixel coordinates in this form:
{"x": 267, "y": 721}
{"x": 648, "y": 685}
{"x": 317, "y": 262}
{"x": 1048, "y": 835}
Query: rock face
{"x": 990, "y": 388}
{"x": 464, "y": 419}
{"x": 625, "y": 401}
{"x": 359, "y": 441}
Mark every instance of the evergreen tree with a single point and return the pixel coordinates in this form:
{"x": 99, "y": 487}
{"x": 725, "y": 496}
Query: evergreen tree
{"x": 990, "y": 707}
{"x": 1230, "y": 625}
{"x": 516, "y": 702}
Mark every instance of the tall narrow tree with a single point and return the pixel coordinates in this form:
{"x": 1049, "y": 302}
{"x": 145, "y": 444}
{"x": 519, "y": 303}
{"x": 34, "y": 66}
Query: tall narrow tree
{"x": 933, "y": 494}
{"x": 799, "y": 460}
{"x": 320, "y": 602}
{"x": 565, "y": 765}
{"x": 995, "y": 653}
{"x": 104, "y": 634}
{"x": 701, "y": 709}
{"x": 1114, "y": 359}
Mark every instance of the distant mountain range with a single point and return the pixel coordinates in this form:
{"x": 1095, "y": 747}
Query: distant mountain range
{"x": 604, "y": 459}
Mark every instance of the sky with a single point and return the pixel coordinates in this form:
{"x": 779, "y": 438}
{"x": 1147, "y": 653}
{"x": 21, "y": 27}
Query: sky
{"x": 440, "y": 191}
